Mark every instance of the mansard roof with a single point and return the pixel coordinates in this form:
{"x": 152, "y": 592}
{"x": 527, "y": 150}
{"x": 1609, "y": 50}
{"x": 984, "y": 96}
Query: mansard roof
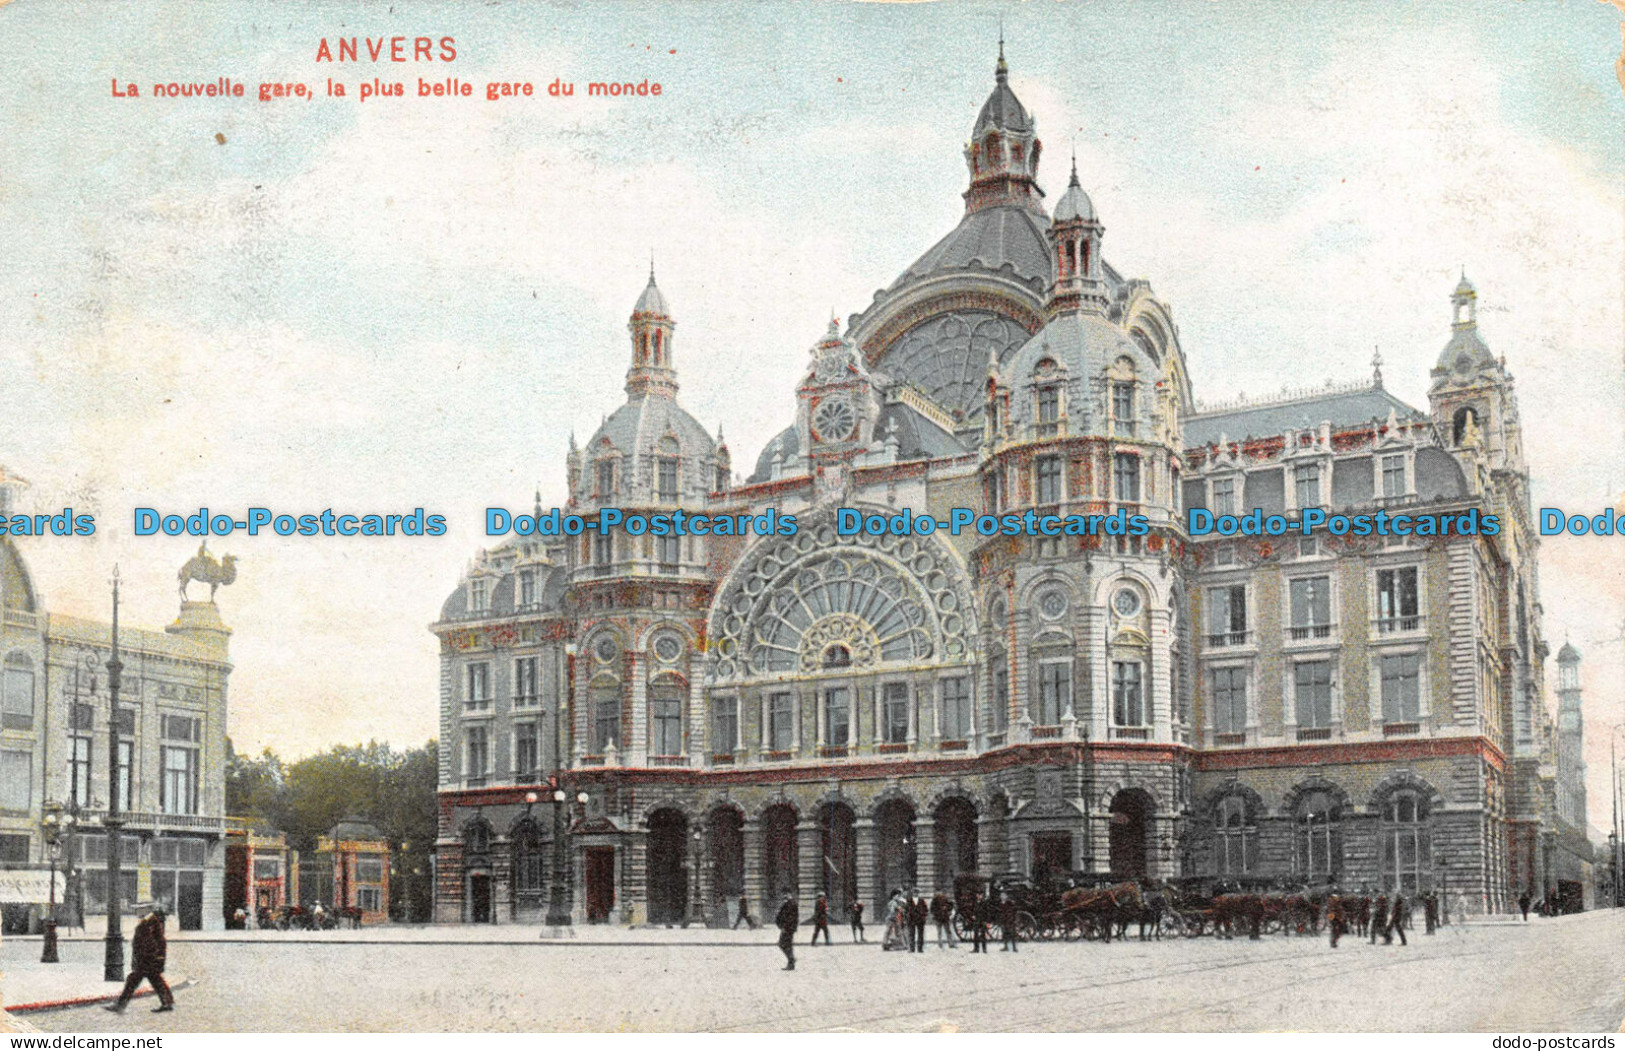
{"x": 1340, "y": 407}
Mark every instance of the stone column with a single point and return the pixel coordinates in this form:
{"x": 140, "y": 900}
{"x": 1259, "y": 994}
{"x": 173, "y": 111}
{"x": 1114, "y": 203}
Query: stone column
{"x": 810, "y": 865}
{"x": 632, "y": 878}
{"x": 868, "y": 863}
{"x": 925, "y": 853}
{"x": 755, "y": 866}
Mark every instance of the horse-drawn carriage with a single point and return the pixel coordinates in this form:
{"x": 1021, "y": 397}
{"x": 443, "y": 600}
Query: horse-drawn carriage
{"x": 1068, "y": 906}
{"x": 1254, "y": 906}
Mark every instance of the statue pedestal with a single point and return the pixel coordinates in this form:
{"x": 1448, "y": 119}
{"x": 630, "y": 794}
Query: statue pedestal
{"x": 201, "y": 621}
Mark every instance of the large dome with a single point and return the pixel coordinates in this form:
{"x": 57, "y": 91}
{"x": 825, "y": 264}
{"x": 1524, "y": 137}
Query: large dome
{"x": 1078, "y": 346}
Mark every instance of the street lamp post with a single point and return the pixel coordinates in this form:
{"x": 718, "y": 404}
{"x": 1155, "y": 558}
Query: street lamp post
{"x": 51, "y": 826}
{"x": 1443, "y": 865}
{"x": 113, "y": 963}
{"x": 558, "y": 913}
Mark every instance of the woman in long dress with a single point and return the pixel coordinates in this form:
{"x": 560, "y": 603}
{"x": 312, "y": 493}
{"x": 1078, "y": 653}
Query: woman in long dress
{"x": 896, "y": 923}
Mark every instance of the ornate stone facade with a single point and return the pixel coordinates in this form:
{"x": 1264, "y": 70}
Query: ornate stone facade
{"x": 755, "y": 716}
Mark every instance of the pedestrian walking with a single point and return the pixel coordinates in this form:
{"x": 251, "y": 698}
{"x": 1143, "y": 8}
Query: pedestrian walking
{"x": 942, "y": 914}
{"x": 148, "y": 949}
{"x": 979, "y": 920}
{"x": 1523, "y": 903}
{"x": 744, "y": 914}
{"x": 1007, "y": 923}
{"x": 857, "y": 922}
{"x": 821, "y": 919}
{"x": 1335, "y": 920}
{"x": 1379, "y": 918}
{"x": 897, "y": 924}
{"x": 1430, "y": 911}
{"x": 1401, "y": 917}
{"x": 788, "y": 919}
{"x": 919, "y": 913}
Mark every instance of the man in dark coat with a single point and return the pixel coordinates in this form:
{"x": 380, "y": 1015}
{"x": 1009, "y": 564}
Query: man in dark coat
{"x": 857, "y": 922}
{"x": 919, "y": 910}
{"x": 1335, "y": 918}
{"x": 978, "y": 917}
{"x": 1523, "y": 903}
{"x": 1379, "y": 918}
{"x": 1430, "y": 911}
{"x": 788, "y": 919}
{"x": 821, "y": 919}
{"x": 744, "y": 914}
{"x": 1007, "y": 921}
{"x": 1401, "y": 916}
{"x": 148, "y": 950}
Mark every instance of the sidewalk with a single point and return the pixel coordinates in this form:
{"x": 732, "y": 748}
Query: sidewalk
{"x": 74, "y": 982}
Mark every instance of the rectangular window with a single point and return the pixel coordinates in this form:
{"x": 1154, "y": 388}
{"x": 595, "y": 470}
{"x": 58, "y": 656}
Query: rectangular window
{"x": 670, "y": 552}
{"x": 81, "y": 751}
{"x": 837, "y": 716}
{"x": 526, "y": 693}
{"x": 479, "y": 686}
{"x": 724, "y": 725}
{"x": 1393, "y": 476}
{"x": 178, "y": 788}
{"x": 1126, "y": 478}
{"x": 369, "y": 899}
{"x": 1049, "y": 479}
{"x": 527, "y": 587}
{"x": 1311, "y": 599}
{"x": 1123, "y": 407}
{"x": 666, "y": 724}
{"x": 1401, "y": 692}
{"x": 722, "y": 478}
{"x": 17, "y": 708}
{"x": 126, "y": 783}
{"x": 180, "y": 728}
{"x": 267, "y": 868}
{"x": 1306, "y": 484}
{"x": 992, "y": 483}
{"x": 81, "y": 717}
{"x": 894, "y": 712}
{"x": 1224, "y": 496}
{"x": 956, "y": 723}
{"x": 1054, "y": 691}
{"x": 668, "y": 479}
{"x": 603, "y": 550}
{"x": 527, "y": 752}
{"x": 999, "y": 715}
{"x": 479, "y": 595}
{"x": 606, "y": 722}
{"x": 1049, "y": 404}
{"x": 126, "y": 721}
{"x": 1312, "y": 694}
{"x": 1230, "y": 700}
{"x": 16, "y": 780}
{"x": 477, "y": 753}
{"x": 606, "y": 478}
{"x": 1397, "y": 600}
{"x": 1128, "y": 698}
{"x": 1227, "y": 615}
{"x": 781, "y": 726}
{"x": 369, "y": 870}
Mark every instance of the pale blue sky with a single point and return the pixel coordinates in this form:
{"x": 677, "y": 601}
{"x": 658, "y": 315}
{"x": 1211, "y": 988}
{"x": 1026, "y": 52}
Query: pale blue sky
{"x": 404, "y": 302}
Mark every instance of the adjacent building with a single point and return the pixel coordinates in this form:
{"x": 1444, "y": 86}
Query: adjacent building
{"x": 653, "y": 727}
{"x": 55, "y": 711}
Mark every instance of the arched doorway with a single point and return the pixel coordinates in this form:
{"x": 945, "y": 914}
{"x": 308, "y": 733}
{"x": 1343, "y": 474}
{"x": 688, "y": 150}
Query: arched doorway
{"x": 956, "y": 841}
{"x": 894, "y": 828}
{"x": 668, "y": 868}
{"x": 780, "y": 856}
{"x": 839, "y": 843}
{"x": 725, "y": 832}
{"x": 1130, "y": 832}
{"x": 477, "y": 866}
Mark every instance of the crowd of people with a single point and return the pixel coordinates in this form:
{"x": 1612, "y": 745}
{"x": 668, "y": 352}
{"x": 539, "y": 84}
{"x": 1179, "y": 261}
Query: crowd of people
{"x": 908, "y": 913}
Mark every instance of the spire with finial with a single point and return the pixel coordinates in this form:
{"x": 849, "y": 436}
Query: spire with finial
{"x": 1003, "y": 152}
{"x": 653, "y": 369}
{"x": 1001, "y": 71}
{"x": 1376, "y": 366}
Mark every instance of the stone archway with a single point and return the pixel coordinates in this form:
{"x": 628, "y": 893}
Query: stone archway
{"x": 839, "y": 845}
{"x": 725, "y": 836}
{"x": 956, "y": 841}
{"x": 780, "y": 856}
{"x": 897, "y": 850}
{"x": 1130, "y": 837}
{"x": 667, "y": 866}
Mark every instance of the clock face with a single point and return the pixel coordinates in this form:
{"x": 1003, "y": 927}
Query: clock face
{"x": 834, "y": 419}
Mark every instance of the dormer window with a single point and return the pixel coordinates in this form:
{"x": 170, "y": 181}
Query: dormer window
{"x": 1393, "y": 476}
{"x": 1049, "y": 409}
{"x": 1224, "y": 496}
{"x": 606, "y": 478}
{"x": 527, "y": 587}
{"x": 1306, "y": 485}
{"x": 479, "y": 595}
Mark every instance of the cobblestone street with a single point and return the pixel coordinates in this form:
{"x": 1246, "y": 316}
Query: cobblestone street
{"x": 1564, "y": 974}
